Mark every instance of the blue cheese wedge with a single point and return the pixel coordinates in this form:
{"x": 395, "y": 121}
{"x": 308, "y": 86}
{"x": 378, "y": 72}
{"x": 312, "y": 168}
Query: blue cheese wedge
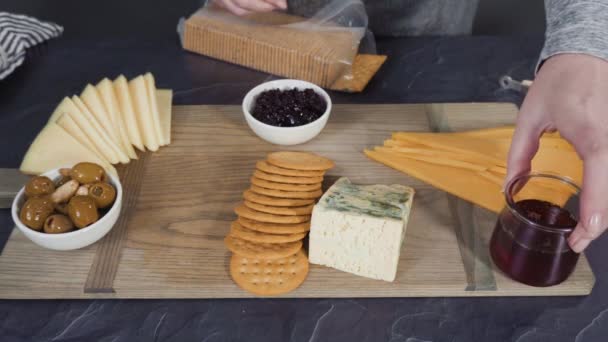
{"x": 360, "y": 228}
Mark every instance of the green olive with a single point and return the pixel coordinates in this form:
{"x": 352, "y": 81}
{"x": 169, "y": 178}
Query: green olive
{"x": 104, "y": 194}
{"x": 86, "y": 173}
{"x": 39, "y": 186}
{"x": 83, "y": 211}
{"x": 61, "y": 208}
{"x": 57, "y": 224}
{"x": 35, "y": 211}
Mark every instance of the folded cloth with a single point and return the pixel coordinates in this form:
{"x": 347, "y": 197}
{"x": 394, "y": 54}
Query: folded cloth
{"x": 19, "y": 32}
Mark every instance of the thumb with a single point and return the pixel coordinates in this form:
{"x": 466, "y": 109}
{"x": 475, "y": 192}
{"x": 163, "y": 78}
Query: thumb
{"x": 593, "y": 202}
{"x": 523, "y": 145}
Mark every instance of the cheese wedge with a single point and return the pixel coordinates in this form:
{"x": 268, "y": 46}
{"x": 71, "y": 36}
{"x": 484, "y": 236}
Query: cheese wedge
{"x": 69, "y": 125}
{"x": 93, "y": 129}
{"x": 54, "y": 148}
{"x": 153, "y": 104}
{"x": 137, "y": 88}
{"x": 121, "y": 88}
{"x": 108, "y": 96}
{"x": 91, "y": 98}
{"x": 164, "y": 98}
{"x": 463, "y": 183}
{"x": 82, "y": 131}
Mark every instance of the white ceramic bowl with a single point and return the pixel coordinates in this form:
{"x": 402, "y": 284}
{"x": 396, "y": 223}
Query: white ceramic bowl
{"x": 285, "y": 135}
{"x": 75, "y": 239}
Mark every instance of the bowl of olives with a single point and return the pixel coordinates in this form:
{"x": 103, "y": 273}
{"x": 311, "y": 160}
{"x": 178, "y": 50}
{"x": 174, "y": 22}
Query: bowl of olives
{"x": 68, "y": 208}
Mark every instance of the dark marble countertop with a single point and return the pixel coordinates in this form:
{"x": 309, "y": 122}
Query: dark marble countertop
{"x": 458, "y": 69}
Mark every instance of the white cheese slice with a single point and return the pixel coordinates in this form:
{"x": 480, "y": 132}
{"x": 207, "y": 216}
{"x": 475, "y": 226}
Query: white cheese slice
{"x": 121, "y": 87}
{"x": 90, "y": 96}
{"x": 108, "y": 96}
{"x": 93, "y": 129}
{"x": 67, "y": 106}
{"x": 137, "y": 88}
{"x": 360, "y": 229}
{"x": 164, "y": 98}
{"x": 153, "y": 105}
{"x": 69, "y": 125}
{"x": 54, "y": 148}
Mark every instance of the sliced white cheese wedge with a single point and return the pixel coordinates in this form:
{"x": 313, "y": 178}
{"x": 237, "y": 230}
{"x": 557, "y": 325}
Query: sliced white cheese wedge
{"x": 137, "y": 88}
{"x": 54, "y": 148}
{"x": 91, "y": 98}
{"x": 69, "y": 125}
{"x": 164, "y": 97}
{"x": 93, "y": 129}
{"x": 67, "y": 106}
{"x": 153, "y": 104}
{"x": 121, "y": 88}
{"x": 108, "y": 96}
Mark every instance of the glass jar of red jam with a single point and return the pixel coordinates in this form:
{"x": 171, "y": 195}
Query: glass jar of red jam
{"x": 530, "y": 240}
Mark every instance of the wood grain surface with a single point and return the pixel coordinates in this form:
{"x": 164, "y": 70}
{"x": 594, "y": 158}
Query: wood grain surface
{"x": 173, "y": 242}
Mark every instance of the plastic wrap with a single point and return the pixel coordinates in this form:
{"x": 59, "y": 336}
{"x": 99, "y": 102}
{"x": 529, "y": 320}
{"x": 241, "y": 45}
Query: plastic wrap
{"x": 320, "y": 48}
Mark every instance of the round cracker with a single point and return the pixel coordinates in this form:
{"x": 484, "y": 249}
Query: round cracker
{"x": 275, "y": 201}
{"x": 237, "y": 230}
{"x": 274, "y": 228}
{"x": 261, "y": 249}
{"x": 249, "y": 213}
{"x": 269, "y": 168}
{"x": 300, "y": 161}
{"x": 284, "y": 186}
{"x": 287, "y": 179}
{"x": 286, "y": 211}
{"x": 286, "y": 194}
{"x": 269, "y": 277}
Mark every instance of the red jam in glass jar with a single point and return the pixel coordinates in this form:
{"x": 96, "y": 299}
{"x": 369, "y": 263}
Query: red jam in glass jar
{"x": 529, "y": 242}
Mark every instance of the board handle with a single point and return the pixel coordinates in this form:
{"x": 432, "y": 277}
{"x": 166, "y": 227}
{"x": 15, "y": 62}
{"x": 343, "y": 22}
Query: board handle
{"x": 11, "y": 181}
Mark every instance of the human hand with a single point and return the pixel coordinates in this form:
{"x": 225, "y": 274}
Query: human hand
{"x": 242, "y": 7}
{"x": 570, "y": 95}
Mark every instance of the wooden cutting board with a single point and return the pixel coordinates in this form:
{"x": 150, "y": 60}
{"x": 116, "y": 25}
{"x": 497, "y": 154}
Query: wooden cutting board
{"x": 178, "y": 206}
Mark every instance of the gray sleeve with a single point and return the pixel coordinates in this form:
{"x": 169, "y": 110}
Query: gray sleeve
{"x": 575, "y": 26}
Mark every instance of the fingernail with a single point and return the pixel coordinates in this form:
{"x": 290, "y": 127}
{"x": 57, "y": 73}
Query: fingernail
{"x": 580, "y": 245}
{"x": 574, "y": 237}
{"x": 595, "y": 223}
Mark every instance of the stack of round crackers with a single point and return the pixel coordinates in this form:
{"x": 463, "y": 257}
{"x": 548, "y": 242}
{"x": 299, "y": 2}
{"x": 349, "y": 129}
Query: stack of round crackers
{"x": 273, "y": 219}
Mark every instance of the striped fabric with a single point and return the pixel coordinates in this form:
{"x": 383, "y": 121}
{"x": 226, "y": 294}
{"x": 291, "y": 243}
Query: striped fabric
{"x": 17, "y": 33}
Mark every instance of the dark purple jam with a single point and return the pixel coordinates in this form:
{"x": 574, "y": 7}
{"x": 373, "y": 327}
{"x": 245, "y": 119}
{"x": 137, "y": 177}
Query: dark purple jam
{"x": 289, "y": 107}
{"x": 530, "y": 255}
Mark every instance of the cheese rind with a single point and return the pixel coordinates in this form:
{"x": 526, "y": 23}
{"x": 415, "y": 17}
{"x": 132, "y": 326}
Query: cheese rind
{"x": 54, "y": 148}
{"x": 360, "y": 229}
{"x": 127, "y": 112}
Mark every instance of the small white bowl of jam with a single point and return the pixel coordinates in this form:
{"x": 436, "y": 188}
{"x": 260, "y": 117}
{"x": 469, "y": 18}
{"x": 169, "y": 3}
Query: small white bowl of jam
{"x": 287, "y": 112}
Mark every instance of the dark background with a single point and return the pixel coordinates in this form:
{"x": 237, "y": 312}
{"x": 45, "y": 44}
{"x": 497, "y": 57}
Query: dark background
{"x": 110, "y": 37}
{"x": 144, "y": 18}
